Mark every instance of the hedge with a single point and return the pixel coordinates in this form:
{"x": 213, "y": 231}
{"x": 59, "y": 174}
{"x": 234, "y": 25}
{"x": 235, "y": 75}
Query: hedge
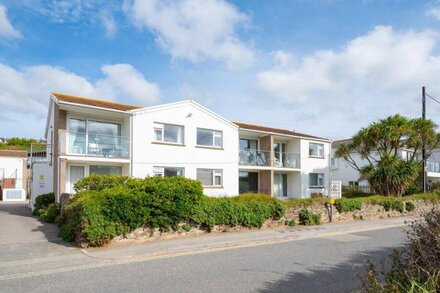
{"x": 108, "y": 206}
{"x": 42, "y": 202}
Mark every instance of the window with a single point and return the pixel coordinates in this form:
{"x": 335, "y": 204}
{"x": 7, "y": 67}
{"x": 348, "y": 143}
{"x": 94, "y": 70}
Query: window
{"x": 168, "y": 171}
{"x": 316, "y": 180}
{"x": 207, "y": 137}
{"x": 248, "y": 144}
{"x": 210, "y": 177}
{"x": 168, "y": 133}
{"x": 105, "y": 170}
{"x": 334, "y": 162}
{"x": 353, "y": 184}
{"x": 316, "y": 150}
{"x": 248, "y": 182}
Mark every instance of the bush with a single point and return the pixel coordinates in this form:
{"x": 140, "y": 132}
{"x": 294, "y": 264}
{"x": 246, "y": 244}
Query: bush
{"x": 42, "y": 202}
{"x": 344, "y": 205}
{"x": 290, "y": 223}
{"x": 409, "y": 206}
{"x": 412, "y": 189}
{"x": 50, "y": 213}
{"x": 247, "y": 211}
{"x": 100, "y": 182}
{"x": 415, "y": 267}
{"x": 353, "y": 193}
{"x": 186, "y": 227}
{"x": 109, "y": 210}
{"x": 307, "y": 218}
{"x": 389, "y": 203}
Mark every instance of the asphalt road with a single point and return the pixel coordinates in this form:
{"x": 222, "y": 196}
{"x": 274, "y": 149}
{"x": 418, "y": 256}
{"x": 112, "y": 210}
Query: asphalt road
{"x": 327, "y": 264}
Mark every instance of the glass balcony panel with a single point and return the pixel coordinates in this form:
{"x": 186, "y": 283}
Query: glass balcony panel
{"x": 250, "y": 157}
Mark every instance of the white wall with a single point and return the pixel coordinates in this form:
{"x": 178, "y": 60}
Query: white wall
{"x": 12, "y": 165}
{"x": 146, "y": 154}
{"x": 42, "y": 181}
{"x": 314, "y": 165}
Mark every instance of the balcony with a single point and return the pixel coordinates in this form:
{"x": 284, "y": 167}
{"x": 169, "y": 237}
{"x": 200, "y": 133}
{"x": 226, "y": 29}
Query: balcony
{"x": 286, "y": 160}
{"x": 94, "y": 145}
{"x": 250, "y": 157}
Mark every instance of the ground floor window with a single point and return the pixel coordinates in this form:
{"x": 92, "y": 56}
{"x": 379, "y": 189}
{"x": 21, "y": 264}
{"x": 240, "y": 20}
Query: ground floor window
{"x": 168, "y": 171}
{"x": 105, "y": 170}
{"x": 280, "y": 185}
{"x": 210, "y": 177}
{"x": 316, "y": 180}
{"x": 248, "y": 182}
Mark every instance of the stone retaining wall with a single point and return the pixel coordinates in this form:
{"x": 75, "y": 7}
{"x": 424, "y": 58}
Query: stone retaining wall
{"x": 367, "y": 212}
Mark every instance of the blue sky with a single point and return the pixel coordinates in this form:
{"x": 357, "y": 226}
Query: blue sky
{"x": 320, "y": 67}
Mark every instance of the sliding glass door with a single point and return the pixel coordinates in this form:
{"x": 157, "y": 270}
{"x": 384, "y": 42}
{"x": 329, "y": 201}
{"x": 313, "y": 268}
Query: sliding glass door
{"x": 280, "y": 185}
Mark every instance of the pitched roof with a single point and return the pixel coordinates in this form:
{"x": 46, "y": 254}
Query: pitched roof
{"x": 93, "y": 102}
{"x": 13, "y": 153}
{"x": 275, "y": 130}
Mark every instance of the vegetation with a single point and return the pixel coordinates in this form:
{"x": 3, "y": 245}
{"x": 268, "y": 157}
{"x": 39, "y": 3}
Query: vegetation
{"x": 344, "y": 205}
{"x": 107, "y": 206}
{"x": 415, "y": 267}
{"x": 378, "y": 145}
{"x": 307, "y": 218}
{"x": 16, "y": 143}
{"x": 50, "y": 213}
{"x": 42, "y": 202}
{"x": 290, "y": 223}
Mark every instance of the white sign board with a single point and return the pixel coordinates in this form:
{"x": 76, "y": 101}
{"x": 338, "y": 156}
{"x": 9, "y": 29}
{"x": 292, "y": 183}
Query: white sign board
{"x": 336, "y": 189}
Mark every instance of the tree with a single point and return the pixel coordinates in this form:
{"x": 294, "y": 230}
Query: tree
{"x": 16, "y": 143}
{"x": 378, "y": 145}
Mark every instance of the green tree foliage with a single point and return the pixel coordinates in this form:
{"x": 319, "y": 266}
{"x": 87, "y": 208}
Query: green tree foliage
{"x": 16, "y": 143}
{"x": 378, "y": 145}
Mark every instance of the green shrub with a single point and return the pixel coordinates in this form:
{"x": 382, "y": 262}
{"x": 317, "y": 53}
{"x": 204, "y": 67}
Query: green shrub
{"x": 344, "y": 205}
{"x": 409, "y": 206}
{"x": 50, "y": 213}
{"x": 290, "y": 223}
{"x": 412, "y": 189}
{"x": 100, "y": 182}
{"x": 307, "y": 218}
{"x": 353, "y": 193}
{"x": 100, "y": 214}
{"x": 248, "y": 211}
{"x": 186, "y": 227}
{"x": 42, "y": 202}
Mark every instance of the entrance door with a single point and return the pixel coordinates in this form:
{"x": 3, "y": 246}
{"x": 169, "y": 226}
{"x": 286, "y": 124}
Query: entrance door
{"x": 76, "y": 173}
{"x": 248, "y": 182}
{"x": 280, "y": 185}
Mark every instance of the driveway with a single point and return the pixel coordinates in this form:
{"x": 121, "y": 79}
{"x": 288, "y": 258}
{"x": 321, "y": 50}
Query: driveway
{"x": 25, "y": 237}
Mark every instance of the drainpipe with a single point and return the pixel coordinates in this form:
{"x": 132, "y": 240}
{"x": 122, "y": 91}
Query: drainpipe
{"x": 131, "y": 144}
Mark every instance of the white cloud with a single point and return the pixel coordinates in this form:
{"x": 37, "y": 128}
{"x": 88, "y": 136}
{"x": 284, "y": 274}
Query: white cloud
{"x": 109, "y": 23}
{"x": 434, "y": 12}
{"x": 372, "y": 76}
{"x": 27, "y": 90}
{"x": 195, "y": 29}
{"x": 6, "y": 28}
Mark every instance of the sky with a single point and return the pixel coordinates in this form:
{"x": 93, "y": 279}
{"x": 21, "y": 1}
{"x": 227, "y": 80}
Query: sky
{"x": 323, "y": 67}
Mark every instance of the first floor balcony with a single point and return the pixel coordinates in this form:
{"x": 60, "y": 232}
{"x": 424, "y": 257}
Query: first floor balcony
{"x": 252, "y": 157}
{"x": 94, "y": 145}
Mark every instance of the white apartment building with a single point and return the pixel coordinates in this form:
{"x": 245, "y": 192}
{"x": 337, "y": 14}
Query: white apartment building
{"x": 341, "y": 170}
{"x": 181, "y": 139}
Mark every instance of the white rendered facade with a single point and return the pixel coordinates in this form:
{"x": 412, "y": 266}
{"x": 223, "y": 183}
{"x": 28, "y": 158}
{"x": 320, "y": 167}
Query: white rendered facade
{"x": 183, "y": 138}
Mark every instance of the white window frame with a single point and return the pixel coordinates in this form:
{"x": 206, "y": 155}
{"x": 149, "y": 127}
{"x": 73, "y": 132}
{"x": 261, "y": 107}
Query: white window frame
{"x": 160, "y": 170}
{"x": 161, "y": 127}
{"x": 334, "y": 162}
{"x": 320, "y": 150}
{"x": 215, "y": 134}
{"x": 322, "y": 175}
{"x": 215, "y": 173}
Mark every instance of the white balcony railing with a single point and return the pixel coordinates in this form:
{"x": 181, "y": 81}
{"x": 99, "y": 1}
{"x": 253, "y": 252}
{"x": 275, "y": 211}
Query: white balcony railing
{"x": 94, "y": 145}
{"x": 250, "y": 157}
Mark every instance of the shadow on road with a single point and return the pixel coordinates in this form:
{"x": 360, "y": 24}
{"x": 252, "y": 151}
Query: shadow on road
{"x": 340, "y": 278}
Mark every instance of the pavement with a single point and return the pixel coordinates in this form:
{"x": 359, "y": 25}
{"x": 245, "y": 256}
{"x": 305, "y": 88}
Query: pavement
{"x": 30, "y": 248}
